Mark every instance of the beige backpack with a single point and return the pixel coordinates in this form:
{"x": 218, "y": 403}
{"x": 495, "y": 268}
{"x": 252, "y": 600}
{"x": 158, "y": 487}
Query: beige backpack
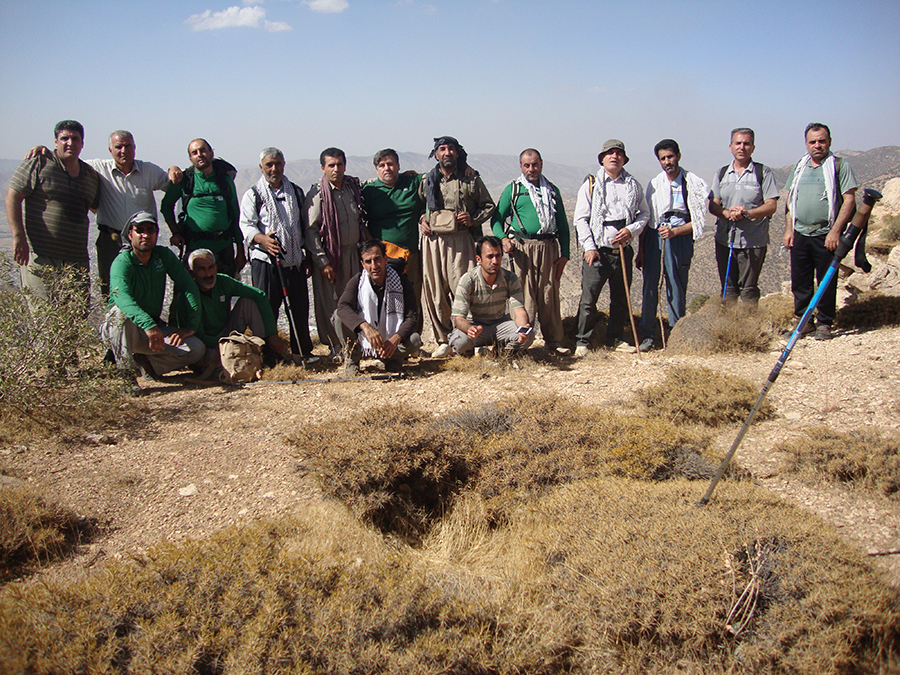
{"x": 242, "y": 357}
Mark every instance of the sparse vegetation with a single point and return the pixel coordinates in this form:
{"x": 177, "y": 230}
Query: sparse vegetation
{"x": 52, "y": 373}
{"x": 890, "y": 228}
{"x": 697, "y": 302}
{"x": 862, "y": 460}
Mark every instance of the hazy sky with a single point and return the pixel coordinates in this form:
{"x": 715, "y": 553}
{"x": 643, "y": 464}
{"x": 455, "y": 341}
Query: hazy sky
{"x": 499, "y": 75}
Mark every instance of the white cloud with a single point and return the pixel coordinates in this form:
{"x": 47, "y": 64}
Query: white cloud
{"x": 234, "y": 17}
{"x": 327, "y": 6}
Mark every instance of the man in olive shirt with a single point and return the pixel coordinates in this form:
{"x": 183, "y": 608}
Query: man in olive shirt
{"x": 210, "y": 212}
{"x": 57, "y": 191}
{"x": 456, "y": 206}
{"x": 132, "y": 328}
{"x": 531, "y": 222}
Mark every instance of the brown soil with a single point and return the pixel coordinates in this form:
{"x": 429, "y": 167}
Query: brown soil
{"x": 230, "y": 443}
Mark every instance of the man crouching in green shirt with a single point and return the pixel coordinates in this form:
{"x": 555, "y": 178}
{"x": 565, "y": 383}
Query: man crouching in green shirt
{"x": 217, "y": 317}
{"x": 132, "y": 328}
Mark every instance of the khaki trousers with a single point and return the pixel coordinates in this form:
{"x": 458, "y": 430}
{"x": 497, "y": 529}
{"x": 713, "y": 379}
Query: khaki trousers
{"x": 326, "y": 294}
{"x": 445, "y": 259}
{"x": 532, "y": 261}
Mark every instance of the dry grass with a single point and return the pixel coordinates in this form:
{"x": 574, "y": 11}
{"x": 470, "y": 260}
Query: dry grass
{"x": 716, "y": 329}
{"x": 777, "y": 312}
{"x": 34, "y": 531}
{"x": 871, "y": 310}
{"x": 606, "y": 575}
{"x": 862, "y": 460}
{"x": 698, "y": 395}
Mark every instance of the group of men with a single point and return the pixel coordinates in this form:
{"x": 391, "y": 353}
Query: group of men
{"x": 386, "y": 254}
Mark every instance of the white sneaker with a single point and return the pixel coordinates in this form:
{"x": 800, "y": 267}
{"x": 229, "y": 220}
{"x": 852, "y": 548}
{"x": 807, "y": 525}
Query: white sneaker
{"x": 442, "y": 351}
{"x": 557, "y": 350}
{"x": 624, "y": 347}
{"x": 581, "y": 351}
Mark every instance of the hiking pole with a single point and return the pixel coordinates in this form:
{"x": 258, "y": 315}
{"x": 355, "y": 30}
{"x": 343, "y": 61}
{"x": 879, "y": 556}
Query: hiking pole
{"x": 728, "y": 266}
{"x": 860, "y": 220}
{"x": 634, "y": 332}
{"x": 662, "y": 277}
{"x": 276, "y": 260}
{"x": 377, "y": 378}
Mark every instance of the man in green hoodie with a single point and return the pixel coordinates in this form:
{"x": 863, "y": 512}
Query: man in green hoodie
{"x": 133, "y": 328}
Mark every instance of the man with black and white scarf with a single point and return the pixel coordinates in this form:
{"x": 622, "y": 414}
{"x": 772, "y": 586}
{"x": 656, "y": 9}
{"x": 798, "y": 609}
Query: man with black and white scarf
{"x": 610, "y": 213}
{"x": 531, "y": 222}
{"x": 822, "y": 194}
{"x": 272, "y": 225}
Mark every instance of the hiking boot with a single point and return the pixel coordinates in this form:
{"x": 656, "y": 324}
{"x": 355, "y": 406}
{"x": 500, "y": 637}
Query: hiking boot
{"x": 624, "y": 347}
{"x": 555, "y": 349}
{"x": 823, "y": 332}
{"x": 442, "y": 351}
{"x": 581, "y": 351}
{"x": 647, "y": 345}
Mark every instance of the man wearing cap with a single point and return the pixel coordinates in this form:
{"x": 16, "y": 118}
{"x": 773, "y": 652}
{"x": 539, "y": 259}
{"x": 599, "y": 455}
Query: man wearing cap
{"x": 334, "y": 211}
{"x": 57, "y": 190}
{"x": 132, "y": 328}
{"x": 743, "y": 196}
{"x": 821, "y": 199}
{"x": 610, "y": 213}
{"x": 456, "y": 206}
{"x": 677, "y": 201}
{"x": 126, "y": 187}
{"x": 531, "y": 222}
{"x": 272, "y": 222}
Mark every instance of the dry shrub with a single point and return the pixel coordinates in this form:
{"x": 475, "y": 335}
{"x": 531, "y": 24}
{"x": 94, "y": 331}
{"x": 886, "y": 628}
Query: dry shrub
{"x": 863, "y": 460}
{"x": 695, "y": 394}
{"x": 890, "y": 228}
{"x": 34, "y": 530}
{"x": 777, "y": 311}
{"x": 871, "y": 310}
{"x": 604, "y": 575}
{"x": 53, "y": 379}
{"x": 716, "y": 329}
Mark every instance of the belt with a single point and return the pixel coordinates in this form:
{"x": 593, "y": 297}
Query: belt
{"x": 112, "y": 233}
{"x": 618, "y": 224}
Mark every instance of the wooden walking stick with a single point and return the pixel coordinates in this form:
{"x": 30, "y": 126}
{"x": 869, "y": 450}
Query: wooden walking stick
{"x": 662, "y": 276}
{"x": 637, "y": 344}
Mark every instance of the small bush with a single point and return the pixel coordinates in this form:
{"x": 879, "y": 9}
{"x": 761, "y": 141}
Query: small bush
{"x": 777, "y": 310}
{"x": 862, "y": 460}
{"x": 716, "y": 329}
{"x": 52, "y": 373}
{"x": 890, "y": 228}
{"x": 33, "y": 530}
{"x": 871, "y": 310}
{"x": 691, "y": 394}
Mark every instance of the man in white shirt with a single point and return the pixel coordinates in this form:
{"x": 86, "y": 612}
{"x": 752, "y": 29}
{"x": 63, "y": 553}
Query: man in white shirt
{"x": 610, "y": 213}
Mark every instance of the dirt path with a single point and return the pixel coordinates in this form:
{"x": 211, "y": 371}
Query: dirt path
{"x": 216, "y": 456}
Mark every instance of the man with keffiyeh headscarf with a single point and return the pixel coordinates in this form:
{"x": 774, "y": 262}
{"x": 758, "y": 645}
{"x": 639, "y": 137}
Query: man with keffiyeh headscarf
{"x": 272, "y": 225}
{"x": 456, "y": 206}
{"x": 531, "y": 222}
{"x": 337, "y": 224}
{"x": 821, "y": 198}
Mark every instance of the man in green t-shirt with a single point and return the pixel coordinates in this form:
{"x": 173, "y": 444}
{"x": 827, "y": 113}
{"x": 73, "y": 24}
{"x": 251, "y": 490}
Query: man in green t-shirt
{"x": 210, "y": 212}
{"x": 820, "y": 203}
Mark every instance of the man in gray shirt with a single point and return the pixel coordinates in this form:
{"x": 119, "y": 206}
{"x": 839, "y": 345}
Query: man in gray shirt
{"x": 743, "y": 197}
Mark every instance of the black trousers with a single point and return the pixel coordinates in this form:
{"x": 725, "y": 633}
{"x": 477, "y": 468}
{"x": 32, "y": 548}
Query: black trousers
{"x": 809, "y": 257}
{"x": 592, "y": 281}
{"x": 265, "y": 278}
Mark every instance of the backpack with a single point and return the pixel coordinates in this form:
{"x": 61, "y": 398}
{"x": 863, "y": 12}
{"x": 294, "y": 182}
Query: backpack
{"x": 757, "y": 169}
{"x": 222, "y": 171}
{"x": 241, "y": 356}
{"x": 298, "y": 195}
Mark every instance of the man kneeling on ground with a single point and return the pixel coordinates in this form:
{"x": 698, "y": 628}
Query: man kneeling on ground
{"x": 217, "y": 317}
{"x": 376, "y": 314}
{"x": 132, "y": 328}
{"x": 483, "y": 294}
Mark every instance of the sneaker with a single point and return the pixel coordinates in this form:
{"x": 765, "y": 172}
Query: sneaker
{"x": 647, "y": 345}
{"x": 624, "y": 347}
{"x": 442, "y": 351}
{"x": 581, "y": 351}
{"x": 823, "y": 332}
{"x": 146, "y": 368}
{"x": 554, "y": 349}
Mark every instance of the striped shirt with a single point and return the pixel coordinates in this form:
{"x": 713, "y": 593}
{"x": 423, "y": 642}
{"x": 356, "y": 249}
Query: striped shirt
{"x": 487, "y": 304}
{"x": 56, "y": 206}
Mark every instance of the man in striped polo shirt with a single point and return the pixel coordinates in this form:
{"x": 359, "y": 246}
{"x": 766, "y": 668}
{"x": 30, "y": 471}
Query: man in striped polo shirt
{"x": 480, "y": 313}
{"x": 57, "y": 191}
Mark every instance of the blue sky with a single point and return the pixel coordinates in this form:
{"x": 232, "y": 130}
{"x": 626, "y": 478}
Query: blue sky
{"x": 498, "y": 74}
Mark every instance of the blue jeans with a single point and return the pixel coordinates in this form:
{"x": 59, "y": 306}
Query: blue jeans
{"x": 677, "y": 264}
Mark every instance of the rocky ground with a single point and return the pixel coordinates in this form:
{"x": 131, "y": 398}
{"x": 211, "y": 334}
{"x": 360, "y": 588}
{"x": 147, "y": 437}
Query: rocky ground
{"x": 212, "y": 456}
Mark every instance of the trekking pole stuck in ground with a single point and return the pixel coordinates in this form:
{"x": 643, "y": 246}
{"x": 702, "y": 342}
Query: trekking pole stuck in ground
{"x": 276, "y": 260}
{"x": 662, "y": 277}
{"x": 728, "y": 266}
{"x": 637, "y": 344}
{"x": 860, "y": 220}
